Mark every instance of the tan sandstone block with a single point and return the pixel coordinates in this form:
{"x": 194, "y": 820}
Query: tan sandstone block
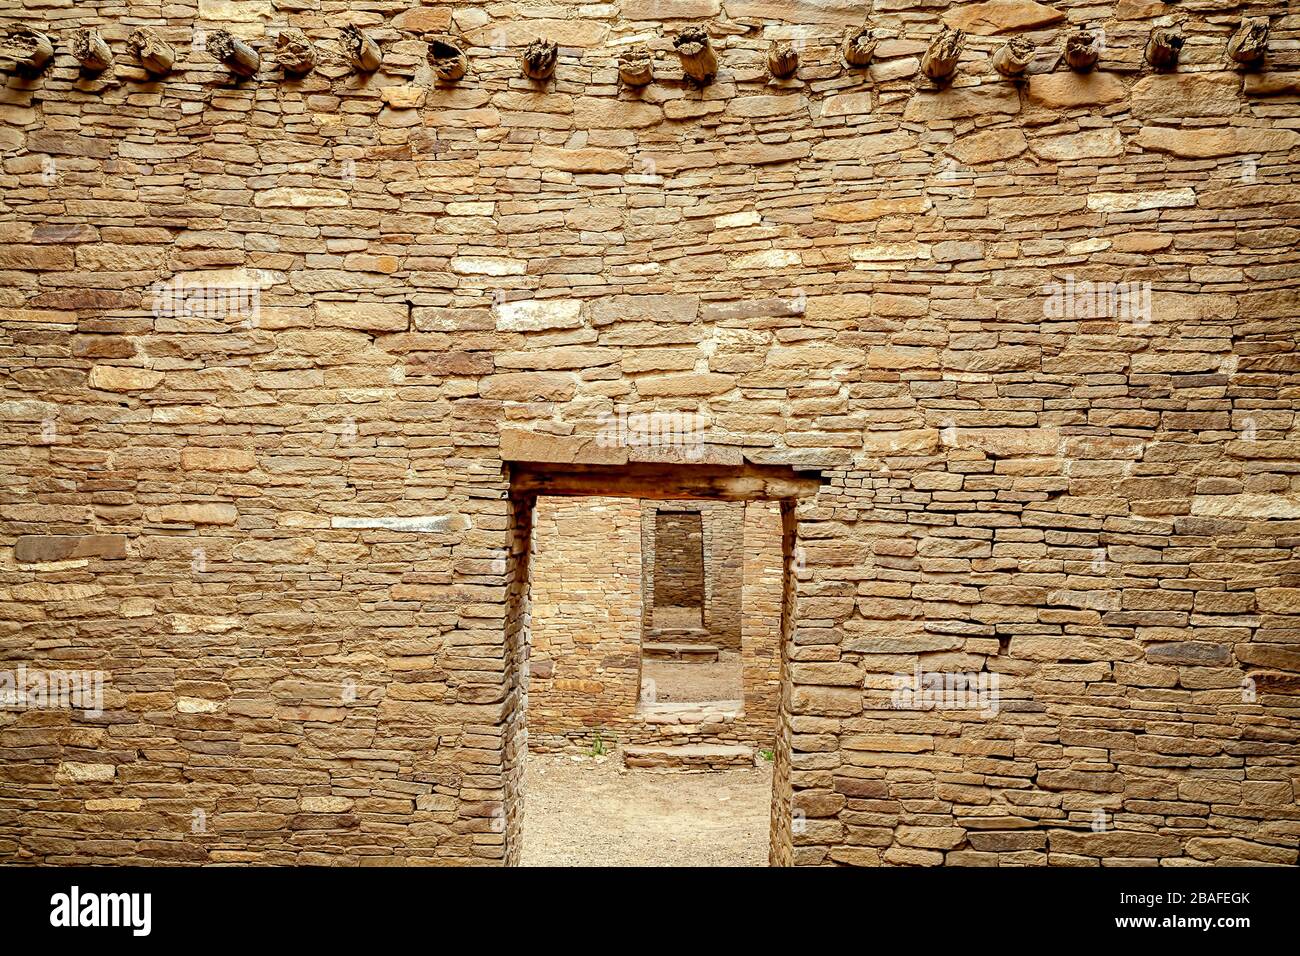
{"x": 1069, "y": 89}
{"x": 1177, "y": 95}
{"x": 217, "y": 459}
{"x": 529, "y": 386}
{"x": 988, "y": 146}
{"x": 1208, "y": 143}
{"x": 212, "y": 513}
{"x": 998, "y": 16}
{"x": 369, "y": 316}
{"x": 121, "y": 378}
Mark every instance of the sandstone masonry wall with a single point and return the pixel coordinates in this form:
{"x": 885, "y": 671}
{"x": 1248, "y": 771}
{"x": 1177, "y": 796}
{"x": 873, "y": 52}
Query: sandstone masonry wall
{"x": 585, "y": 619}
{"x": 286, "y": 535}
{"x": 761, "y": 613}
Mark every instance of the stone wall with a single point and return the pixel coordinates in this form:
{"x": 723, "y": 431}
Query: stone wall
{"x": 585, "y": 620}
{"x": 761, "y": 616}
{"x": 285, "y": 534}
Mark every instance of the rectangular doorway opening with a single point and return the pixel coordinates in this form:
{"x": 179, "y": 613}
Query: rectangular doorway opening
{"x": 635, "y": 736}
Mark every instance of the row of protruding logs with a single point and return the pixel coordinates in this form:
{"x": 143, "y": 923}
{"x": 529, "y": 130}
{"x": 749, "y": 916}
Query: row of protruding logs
{"x": 153, "y": 52}
{"x": 636, "y": 65}
{"x": 240, "y": 58}
{"x": 29, "y": 49}
{"x": 1249, "y": 44}
{"x": 1014, "y": 57}
{"x": 940, "y": 59}
{"x": 539, "y": 59}
{"x": 782, "y": 60}
{"x": 91, "y": 50}
{"x": 361, "y": 50}
{"x": 1082, "y": 48}
{"x": 699, "y": 62}
{"x": 294, "y": 52}
{"x": 1163, "y": 47}
{"x": 859, "y": 45}
{"x": 32, "y": 50}
{"x": 447, "y": 59}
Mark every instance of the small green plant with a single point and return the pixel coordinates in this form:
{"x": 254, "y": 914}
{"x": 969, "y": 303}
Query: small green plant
{"x": 598, "y": 745}
{"x": 767, "y": 755}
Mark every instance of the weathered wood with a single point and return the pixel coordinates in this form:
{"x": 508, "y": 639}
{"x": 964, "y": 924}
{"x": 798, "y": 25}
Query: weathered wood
{"x": 1250, "y": 43}
{"x": 29, "y": 49}
{"x": 1082, "y": 47}
{"x": 294, "y": 52}
{"x": 695, "y": 51}
{"x": 539, "y": 59}
{"x": 859, "y": 45}
{"x": 153, "y": 52}
{"x": 940, "y": 59}
{"x": 782, "y": 60}
{"x": 636, "y": 65}
{"x": 1014, "y": 57}
{"x": 1163, "y": 47}
{"x": 362, "y": 51}
{"x": 91, "y": 50}
{"x": 663, "y": 482}
{"x": 240, "y": 58}
{"x": 447, "y": 59}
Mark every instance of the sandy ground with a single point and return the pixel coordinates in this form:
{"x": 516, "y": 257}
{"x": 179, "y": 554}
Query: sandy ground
{"x": 666, "y": 615}
{"x": 676, "y": 682}
{"x": 590, "y": 812}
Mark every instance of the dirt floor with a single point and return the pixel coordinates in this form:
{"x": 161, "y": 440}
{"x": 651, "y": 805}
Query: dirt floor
{"x": 667, "y": 615}
{"x": 675, "y": 682}
{"x": 589, "y": 811}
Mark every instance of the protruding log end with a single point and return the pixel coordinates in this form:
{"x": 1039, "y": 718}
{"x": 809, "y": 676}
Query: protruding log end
{"x": 1082, "y": 47}
{"x": 539, "y": 59}
{"x": 636, "y": 65}
{"x": 1250, "y": 43}
{"x": 694, "y": 49}
{"x": 91, "y": 50}
{"x": 240, "y": 58}
{"x": 447, "y": 59}
{"x": 782, "y": 60}
{"x": 859, "y": 45}
{"x": 1163, "y": 47}
{"x": 362, "y": 51}
{"x": 1014, "y": 57}
{"x": 29, "y": 49}
{"x": 153, "y": 52}
{"x": 294, "y": 52}
{"x": 940, "y": 59}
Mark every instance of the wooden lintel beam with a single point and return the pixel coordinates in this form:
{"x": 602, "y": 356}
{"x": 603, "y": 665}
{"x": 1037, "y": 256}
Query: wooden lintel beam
{"x": 663, "y": 482}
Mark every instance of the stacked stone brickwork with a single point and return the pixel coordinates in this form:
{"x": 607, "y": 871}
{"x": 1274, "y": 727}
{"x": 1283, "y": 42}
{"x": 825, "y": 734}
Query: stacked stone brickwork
{"x": 585, "y": 620}
{"x": 761, "y": 611}
{"x": 285, "y": 533}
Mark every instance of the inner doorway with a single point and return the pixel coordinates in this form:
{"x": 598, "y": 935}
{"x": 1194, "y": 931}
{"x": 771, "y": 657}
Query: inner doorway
{"x": 678, "y": 570}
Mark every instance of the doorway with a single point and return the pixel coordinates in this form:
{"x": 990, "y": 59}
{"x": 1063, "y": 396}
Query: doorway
{"x": 777, "y": 490}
